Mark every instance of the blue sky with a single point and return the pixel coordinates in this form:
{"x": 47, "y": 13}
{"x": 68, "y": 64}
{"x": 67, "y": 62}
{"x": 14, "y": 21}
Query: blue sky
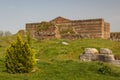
{"x": 14, "y": 14}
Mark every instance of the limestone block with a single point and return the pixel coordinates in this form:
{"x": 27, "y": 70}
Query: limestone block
{"x": 105, "y": 57}
{"x": 88, "y": 57}
{"x": 91, "y": 50}
{"x": 105, "y": 51}
{"x": 89, "y": 54}
{"x": 109, "y": 58}
{"x": 65, "y": 43}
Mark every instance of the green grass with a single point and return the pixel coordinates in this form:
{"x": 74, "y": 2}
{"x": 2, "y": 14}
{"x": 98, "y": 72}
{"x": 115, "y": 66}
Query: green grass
{"x": 64, "y": 70}
{"x": 52, "y": 49}
{"x": 61, "y": 62}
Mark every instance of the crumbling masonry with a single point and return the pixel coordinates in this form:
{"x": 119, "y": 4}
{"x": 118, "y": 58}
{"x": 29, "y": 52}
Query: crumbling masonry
{"x": 72, "y": 29}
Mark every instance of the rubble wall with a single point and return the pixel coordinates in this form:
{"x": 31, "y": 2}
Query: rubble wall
{"x": 72, "y": 29}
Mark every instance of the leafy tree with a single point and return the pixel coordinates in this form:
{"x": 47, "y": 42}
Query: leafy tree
{"x": 20, "y": 58}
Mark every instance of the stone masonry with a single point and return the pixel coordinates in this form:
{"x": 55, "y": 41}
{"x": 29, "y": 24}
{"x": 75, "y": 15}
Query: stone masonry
{"x": 115, "y": 36}
{"x": 72, "y": 29}
{"x": 103, "y": 55}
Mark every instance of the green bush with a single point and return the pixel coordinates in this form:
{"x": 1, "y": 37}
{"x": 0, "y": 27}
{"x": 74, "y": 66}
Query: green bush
{"x": 105, "y": 70}
{"x": 19, "y": 58}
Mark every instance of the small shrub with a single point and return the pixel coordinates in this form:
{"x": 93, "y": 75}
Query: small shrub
{"x": 105, "y": 70}
{"x": 20, "y": 58}
{"x": 100, "y": 63}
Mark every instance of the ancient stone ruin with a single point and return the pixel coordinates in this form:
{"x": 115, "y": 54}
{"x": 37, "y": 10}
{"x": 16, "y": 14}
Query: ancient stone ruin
{"x": 71, "y": 29}
{"x": 115, "y": 36}
{"x": 103, "y": 55}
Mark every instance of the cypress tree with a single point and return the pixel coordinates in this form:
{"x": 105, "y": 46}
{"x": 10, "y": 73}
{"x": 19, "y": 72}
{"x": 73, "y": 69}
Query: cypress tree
{"x": 20, "y": 57}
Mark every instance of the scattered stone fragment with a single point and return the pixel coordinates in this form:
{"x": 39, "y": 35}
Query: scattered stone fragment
{"x": 65, "y": 43}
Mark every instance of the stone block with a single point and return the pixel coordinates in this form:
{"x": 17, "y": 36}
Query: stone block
{"x": 105, "y": 51}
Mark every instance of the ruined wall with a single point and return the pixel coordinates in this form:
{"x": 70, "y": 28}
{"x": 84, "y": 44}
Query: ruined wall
{"x": 60, "y": 20}
{"x": 31, "y": 28}
{"x": 115, "y": 36}
{"x": 93, "y": 28}
{"x": 49, "y": 33}
{"x": 106, "y": 30}
{"x": 72, "y": 29}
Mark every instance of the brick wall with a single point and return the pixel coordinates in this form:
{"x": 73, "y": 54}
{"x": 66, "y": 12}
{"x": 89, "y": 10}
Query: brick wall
{"x": 31, "y": 28}
{"x": 73, "y": 29}
{"x": 106, "y": 30}
{"x": 93, "y": 28}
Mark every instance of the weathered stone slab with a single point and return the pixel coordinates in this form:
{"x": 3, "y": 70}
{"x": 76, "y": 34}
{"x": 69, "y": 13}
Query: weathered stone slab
{"x": 91, "y": 50}
{"x": 105, "y": 51}
{"x": 105, "y": 57}
{"x": 89, "y": 54}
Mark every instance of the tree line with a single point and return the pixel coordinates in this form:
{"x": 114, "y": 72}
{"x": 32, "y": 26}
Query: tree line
{"x": 5, "y": 33}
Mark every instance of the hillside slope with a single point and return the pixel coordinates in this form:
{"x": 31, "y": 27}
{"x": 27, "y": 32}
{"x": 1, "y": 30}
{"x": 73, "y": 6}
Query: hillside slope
{"x": 58, "y": 61}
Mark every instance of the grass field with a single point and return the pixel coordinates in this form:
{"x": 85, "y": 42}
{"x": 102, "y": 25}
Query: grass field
{"x": 61, "y": 62}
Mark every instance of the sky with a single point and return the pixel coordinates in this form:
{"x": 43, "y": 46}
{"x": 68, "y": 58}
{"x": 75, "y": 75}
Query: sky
{"x": 14, "y": 14}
